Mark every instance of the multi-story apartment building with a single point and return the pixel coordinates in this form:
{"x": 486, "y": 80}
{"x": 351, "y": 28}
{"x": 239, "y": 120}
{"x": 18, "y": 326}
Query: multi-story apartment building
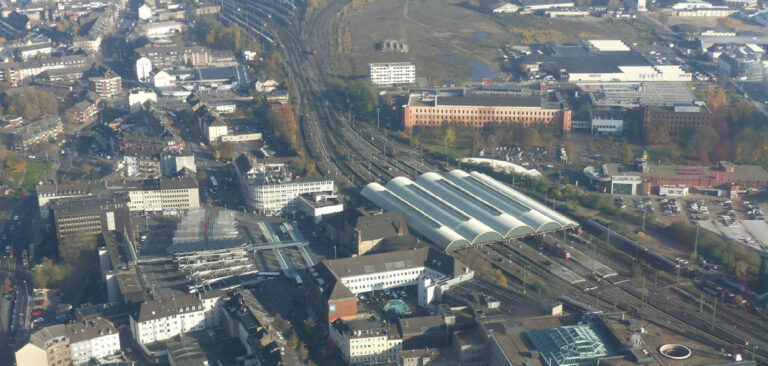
{"x": 366, "y": 340}
{"x": 677, "y": 118}
{"x": 167, "y": 57}
{"x": 70, "y": 344}
{"x": 161, "y": 319}
{"x": 21, "y": 137}
{"x": 78, "y": 222}
{"x": 481, "y": 110}
{"x": 273, "y": 197}
{"x": 107, "y": 86}
{"x": 392, "y": 73}
{"x": 17, "y": 72}
{"x": 84, "y": 111}
{"x": 158, "y": 195}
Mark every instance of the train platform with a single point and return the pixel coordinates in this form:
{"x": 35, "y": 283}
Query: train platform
{"x": 591, "y": 264}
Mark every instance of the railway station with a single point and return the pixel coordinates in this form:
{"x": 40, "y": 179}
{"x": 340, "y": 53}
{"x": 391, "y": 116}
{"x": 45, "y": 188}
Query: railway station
{"x": 462, "y": 209}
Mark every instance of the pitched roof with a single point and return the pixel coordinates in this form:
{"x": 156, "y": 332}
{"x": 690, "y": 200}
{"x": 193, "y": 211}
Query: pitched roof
{"x": 76, "y": 332}
{"x": 161, "y": 308}
{"x": 391, "y": 223}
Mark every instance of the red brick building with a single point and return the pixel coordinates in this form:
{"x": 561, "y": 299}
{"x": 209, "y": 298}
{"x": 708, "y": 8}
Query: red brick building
{"x": 677, "y": 118}
{"x": 481, "y": 110}
{"x": 84, "y": 111}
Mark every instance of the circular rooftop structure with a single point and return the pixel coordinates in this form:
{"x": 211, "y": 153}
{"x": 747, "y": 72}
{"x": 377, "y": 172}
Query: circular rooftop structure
{"x": 675, "y": 351}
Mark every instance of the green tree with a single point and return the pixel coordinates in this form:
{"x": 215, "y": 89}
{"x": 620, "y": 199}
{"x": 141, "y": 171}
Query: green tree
{"x": 762, "y": 276}
{"x": 17, "y": 55}
{"x": 626, "y": 153}
{"x": 362, "y": 98}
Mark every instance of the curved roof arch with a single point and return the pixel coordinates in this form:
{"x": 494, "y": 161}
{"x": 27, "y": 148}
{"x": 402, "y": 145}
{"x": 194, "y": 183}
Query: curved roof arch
{"x": 444, "y": 212}
{"x": 462, "y": 208}
{"x": 508, "y": 226}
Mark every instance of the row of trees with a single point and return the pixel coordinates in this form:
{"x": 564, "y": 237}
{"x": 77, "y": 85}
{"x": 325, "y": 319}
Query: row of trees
{"x": 283, "y": 124}
{"x": 732, "y": 255}
{"x": 488, "y": 137}
{"x": 211, "y": 32}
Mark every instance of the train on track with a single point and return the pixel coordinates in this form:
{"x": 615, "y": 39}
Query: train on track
{"x": 635, "y": 248}
{"x": 553, "y": 247}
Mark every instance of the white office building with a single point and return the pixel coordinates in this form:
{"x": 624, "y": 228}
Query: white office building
{"x": 393, "y": 73}
{"x": 161, "y": 195}
{"x": 606, "y": 122}
{"x": 161, "y": 319}
{"x": 274, "y": 198}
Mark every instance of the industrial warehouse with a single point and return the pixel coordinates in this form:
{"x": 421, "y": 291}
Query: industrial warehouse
{"x": 463, "y": 208}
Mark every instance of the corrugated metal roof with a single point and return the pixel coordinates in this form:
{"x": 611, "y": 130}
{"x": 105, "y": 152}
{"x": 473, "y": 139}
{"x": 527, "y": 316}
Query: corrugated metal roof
{"x": 464, "y": 208}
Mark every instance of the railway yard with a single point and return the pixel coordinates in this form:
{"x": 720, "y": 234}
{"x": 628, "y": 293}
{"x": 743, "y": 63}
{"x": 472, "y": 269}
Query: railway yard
{"x": 599, "y": 273}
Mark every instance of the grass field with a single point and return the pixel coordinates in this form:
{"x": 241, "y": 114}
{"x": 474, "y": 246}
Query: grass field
{"x": 36, "y": 172}
{"x": 449, "y": 41}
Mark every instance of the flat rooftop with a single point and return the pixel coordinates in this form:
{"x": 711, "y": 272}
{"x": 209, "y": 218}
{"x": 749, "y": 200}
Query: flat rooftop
{"x": 633, "y": 95}
{"x": 477, "y": 101}
{"x": 741, "y": 172}
{"x": 657, "y": 336}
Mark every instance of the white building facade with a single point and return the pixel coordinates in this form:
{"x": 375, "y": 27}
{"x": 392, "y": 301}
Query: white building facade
{"x": 394, "y": 73}
{"x": 107, "y": 343}
{"x": 163, "y": 200}
{"x": 162, "y": 319}
{"x": 275, "y": 198}
{"x": 364, "y": 347}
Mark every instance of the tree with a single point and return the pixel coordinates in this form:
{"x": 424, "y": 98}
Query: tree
{"x": 762, "y": 276}
{"x": 86, "y": 169}
{"x": 657, "y": 133}
{"x": 362, "y": 98}
{"x": 293, "y": 341}
{"x": 501, "y": 280}
{"x": 531, "y": 137}
{"x": 626, "y": 153}
{"x": 450, "y": 136}
{"x": 17, "y": 55}
{"x": 16, "y": 163}
{"x": 415, "y": 141}
{"x": 228, "y": 150}
{"x": 637, "y": 270}
{"x": 31, "y": 103}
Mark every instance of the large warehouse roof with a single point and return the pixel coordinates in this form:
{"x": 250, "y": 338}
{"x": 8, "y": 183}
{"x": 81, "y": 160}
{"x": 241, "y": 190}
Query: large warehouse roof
{"x": 463, "y": 208}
